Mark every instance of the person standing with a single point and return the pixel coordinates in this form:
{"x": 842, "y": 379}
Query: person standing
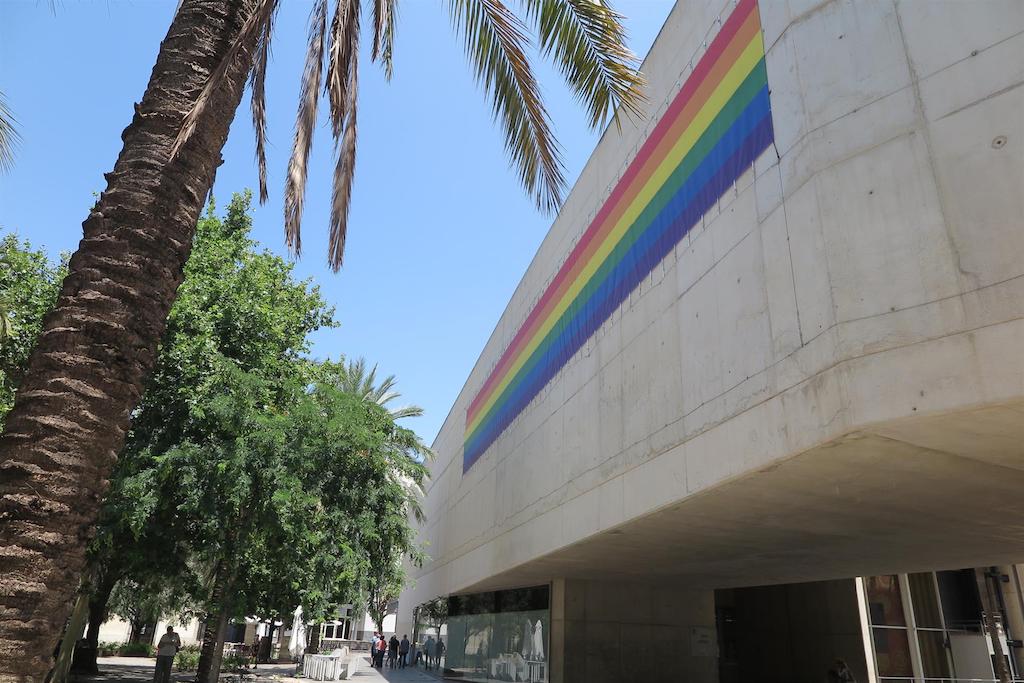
{"x": 382, "y": 648}
{"x": 403, "y": 651}
{"x": 373, "y": 649}
{"x": 168, "y": 646}
{"x": 429, "y": 648}
{"x": 392, "y": 652}
{"x": 439, "y": 651}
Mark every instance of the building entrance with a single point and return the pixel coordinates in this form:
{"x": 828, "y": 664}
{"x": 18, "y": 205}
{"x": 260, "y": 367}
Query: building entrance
{"x": 926, "y": 627}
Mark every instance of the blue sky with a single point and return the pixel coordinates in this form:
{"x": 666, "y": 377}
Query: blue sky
{"x": 440, "y": 232}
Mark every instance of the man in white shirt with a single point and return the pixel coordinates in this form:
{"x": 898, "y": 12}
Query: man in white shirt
{"x": 168, "y": 646}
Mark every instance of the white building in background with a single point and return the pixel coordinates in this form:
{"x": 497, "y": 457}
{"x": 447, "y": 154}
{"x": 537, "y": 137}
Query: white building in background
{"x": 116, "y": 630}
{"x": 346, "y": 629}
{"x": 775, "y": 337}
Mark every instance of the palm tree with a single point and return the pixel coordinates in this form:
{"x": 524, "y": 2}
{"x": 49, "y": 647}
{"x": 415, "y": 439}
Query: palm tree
{"x": 99, "y": 343}
{"x": 352, "y": 377}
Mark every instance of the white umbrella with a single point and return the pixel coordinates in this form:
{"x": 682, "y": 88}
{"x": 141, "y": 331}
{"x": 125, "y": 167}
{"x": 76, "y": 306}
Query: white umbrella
{"x": 297, "y": 645}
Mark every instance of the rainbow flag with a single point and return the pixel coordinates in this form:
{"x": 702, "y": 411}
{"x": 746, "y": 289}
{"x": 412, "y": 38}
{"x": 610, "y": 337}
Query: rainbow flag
{"x": 713, "y": 130}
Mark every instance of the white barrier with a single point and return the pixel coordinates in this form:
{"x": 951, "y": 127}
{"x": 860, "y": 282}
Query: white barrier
{"x": 336, "y": 666}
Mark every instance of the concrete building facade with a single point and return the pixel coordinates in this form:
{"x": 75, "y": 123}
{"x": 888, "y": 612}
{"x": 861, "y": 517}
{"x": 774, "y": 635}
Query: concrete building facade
{"x": 813, "y": 370}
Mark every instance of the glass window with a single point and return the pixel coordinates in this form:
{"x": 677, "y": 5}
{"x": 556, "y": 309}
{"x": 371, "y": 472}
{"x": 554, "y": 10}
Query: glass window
{"x": 884, "y": 602}
{"x": 925, "y": 598}
{"x": 892, "y": 652}
{"x": 934, "y": 659}
{"x": 961, "y": 603}
{"x": 499, "y": 636}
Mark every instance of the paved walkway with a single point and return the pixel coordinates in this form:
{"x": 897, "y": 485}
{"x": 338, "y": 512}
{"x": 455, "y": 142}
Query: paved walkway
{"x": 140, "y": 669}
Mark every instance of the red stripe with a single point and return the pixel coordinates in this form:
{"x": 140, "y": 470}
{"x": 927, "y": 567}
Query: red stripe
{"x": 552, "y": 294}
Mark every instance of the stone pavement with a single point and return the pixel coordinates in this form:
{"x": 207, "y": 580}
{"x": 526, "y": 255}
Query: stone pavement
{"x": 140, "y": 669}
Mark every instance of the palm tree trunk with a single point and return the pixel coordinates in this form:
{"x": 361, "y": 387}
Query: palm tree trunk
{"x": 99, "y": 343}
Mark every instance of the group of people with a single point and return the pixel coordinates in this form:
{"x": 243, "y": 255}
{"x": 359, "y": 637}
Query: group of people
{"x": 433, "y": 650}
{"x": 395, "y": 652}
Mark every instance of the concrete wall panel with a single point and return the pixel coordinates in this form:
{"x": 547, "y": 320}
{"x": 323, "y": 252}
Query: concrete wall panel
{"x": 967, "y": 150}
{"x": 887, "y": 246}
{"x": 941, "y": 34}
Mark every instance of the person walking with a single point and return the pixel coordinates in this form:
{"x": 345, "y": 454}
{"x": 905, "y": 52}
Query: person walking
{"x": 429, "y": 648}
{"x": 439, "y": 652}
{"x": 392, "y": 652}
{"x": 168, "y": 646}
{"x": 403, "y": 651}
{"x": 382, "y": 648}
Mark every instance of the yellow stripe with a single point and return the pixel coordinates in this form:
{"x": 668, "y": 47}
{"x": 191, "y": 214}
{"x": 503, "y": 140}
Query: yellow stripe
{"x": 749, "y": 58}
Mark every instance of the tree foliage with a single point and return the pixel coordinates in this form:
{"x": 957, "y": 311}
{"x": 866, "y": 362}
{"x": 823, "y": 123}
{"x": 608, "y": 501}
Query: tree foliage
{"x": 434, "y": 613}
{"x": 389, "y": 540}
{"x": 140, "y": 604}
{"x": 238, "y": 309}
{"x": 584, "y": 38}
{"x": 29, "y": 284}
{"x": 250, "y": 471}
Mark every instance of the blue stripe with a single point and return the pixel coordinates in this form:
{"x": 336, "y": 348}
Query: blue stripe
{"x": 750, "y": 135}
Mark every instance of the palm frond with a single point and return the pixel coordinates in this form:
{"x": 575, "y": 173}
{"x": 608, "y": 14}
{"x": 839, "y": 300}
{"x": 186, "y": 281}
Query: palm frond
{"x": 384, "y": 18}
{"x": 305, "y": 123}
{"x": 253, "y": 27}
{"x": 369, "y": 380}
{"x": 407, "y": 411}
{"x": 383, "y": 392}
{"x": 385, "y": 397}
{"x": 354, "y": 378}
{"x": 9, "y": 137}
{"x": 496, "y": 44}
{"x": 587, "y": 40}
{"x": 257, "y": 82}
{"x": 343, "y": 90}
{"x": 341, "y": 192}
{"x": 343, "y": 47}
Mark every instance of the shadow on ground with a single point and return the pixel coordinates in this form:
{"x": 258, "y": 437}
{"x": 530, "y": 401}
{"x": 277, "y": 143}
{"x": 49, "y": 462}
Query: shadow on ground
{"x": 140, "y": 669}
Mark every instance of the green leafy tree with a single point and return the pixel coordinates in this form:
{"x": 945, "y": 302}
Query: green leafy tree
{"x": 239, "y": 308}
{"x": 29, "y": 283}
{"x": 123, "y": 279}
{"x": 285, "y": 491}
{"x": 259, "y": 484}
{"x": 434, "y": 613}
